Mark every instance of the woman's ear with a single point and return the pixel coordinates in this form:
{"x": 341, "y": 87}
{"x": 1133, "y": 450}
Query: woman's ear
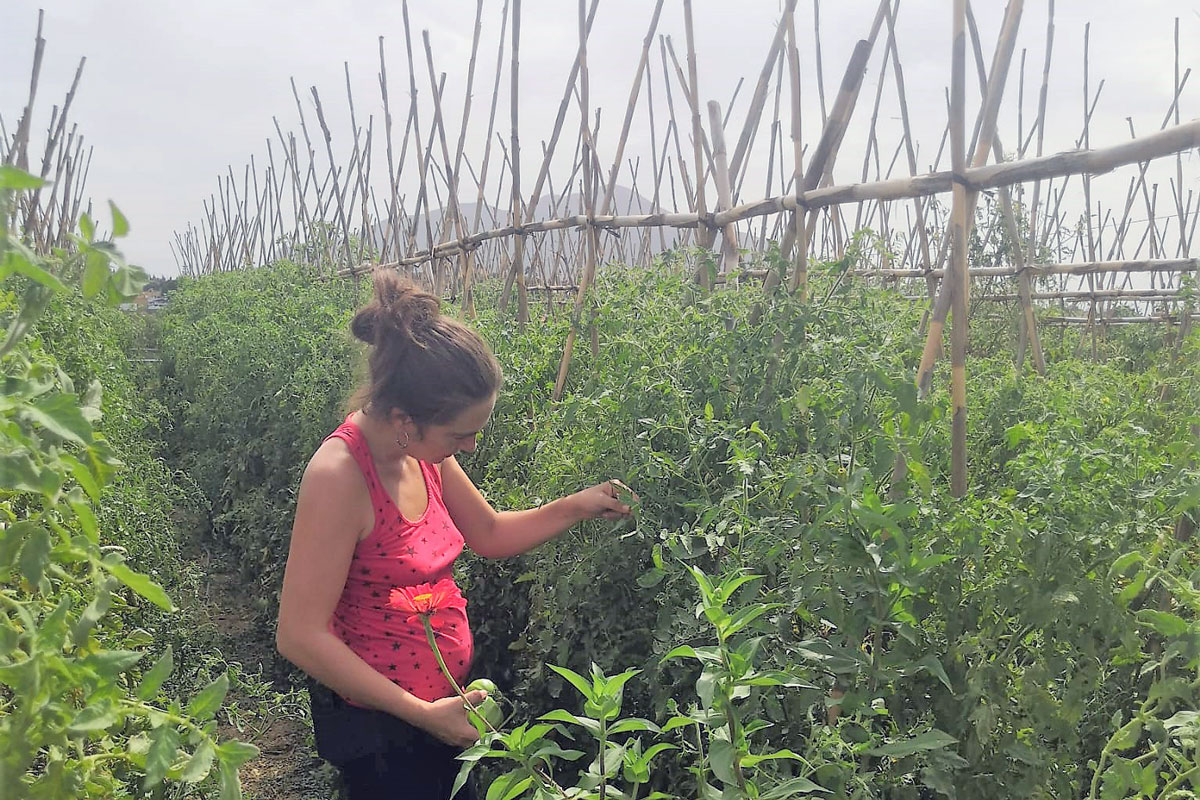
{"x": 398, "y": 417}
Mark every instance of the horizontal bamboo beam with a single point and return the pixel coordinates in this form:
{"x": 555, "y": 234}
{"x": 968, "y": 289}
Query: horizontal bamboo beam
{"x": 1116, "y": 320}
{"x": 1141, "y": 295}
{"x": 1145, "y": 148}
{"x": 1080, "y": 268}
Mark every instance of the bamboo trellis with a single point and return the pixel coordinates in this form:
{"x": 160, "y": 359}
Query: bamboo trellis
{"x": 1027, "y": 242}
{"x": 45, "y": 216}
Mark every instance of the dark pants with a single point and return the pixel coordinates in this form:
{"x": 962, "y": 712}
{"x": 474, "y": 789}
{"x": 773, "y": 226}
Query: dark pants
{"x": 382, "y": 757}
{"x": 425, "y": 771}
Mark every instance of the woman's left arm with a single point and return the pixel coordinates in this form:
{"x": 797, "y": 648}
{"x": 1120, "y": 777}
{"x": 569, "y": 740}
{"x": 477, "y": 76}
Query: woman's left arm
{"x": 501, "y": 534}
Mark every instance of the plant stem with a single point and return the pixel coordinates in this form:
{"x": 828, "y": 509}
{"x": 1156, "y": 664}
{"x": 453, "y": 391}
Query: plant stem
{"x": 735, "y": 726}
{"x": 547, "y": 782}
{"x": 603, "y": 742}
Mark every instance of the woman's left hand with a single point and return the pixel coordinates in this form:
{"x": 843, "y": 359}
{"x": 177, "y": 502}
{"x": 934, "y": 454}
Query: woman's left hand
{"x": 603, "y": 501}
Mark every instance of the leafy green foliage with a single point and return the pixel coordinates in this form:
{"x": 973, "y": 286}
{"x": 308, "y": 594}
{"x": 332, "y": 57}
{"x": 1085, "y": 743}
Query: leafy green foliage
{"x": 894, "y": 642}
{"x": 78, "y": 715}
{"x": 257, "y": 368}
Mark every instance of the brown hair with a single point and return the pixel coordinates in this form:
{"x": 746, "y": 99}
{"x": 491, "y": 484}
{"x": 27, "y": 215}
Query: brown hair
{"x": 428, "y": 366}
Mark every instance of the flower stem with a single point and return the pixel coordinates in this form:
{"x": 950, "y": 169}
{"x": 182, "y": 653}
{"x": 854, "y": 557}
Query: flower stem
{"x": 546, "y": 781}
{"x": 437, "y": 653}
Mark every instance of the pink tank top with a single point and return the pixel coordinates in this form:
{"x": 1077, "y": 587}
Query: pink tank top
{"x": 401, "y": 552}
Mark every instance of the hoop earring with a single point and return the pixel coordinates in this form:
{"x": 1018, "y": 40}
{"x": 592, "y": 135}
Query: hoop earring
{"x": 404, "y": 444}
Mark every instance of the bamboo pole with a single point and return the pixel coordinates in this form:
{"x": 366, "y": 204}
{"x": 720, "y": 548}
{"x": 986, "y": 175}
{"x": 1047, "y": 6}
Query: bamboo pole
{"x": 958, "y": 279}
{"x": 451, "y": 173}
{"x": 18, "y": 151}
{"x": 590, "y": 232}
{"x": 468, "y": 299}
{"x": 480, "y": 200}
{"x": 729, "y": 249}
{"x": 535, "y": 196}
{"x": 516, "y": 211}
{"x": 759, "y": 98}
{"x": 798, "y": 279}
{"x": 1029, "y": 321}
{"x": 630, "y": 106}
{"x": 693, "y": 91}
{"x": 987, "y": 116}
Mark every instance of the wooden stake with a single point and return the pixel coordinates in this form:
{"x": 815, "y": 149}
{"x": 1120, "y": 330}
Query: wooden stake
{"x": 729, "y": 249}
{"x": 590, "y": 231}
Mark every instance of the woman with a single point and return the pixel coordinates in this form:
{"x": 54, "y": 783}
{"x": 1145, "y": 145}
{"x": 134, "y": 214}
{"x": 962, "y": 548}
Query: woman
{"x": 384, "y": 503}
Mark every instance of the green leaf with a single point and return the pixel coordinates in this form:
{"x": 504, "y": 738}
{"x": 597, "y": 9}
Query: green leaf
{"x": 120, "y": 225}
{"x": 1163, "y": 622}
{"x": 92, "y": 613}
{"x": 35, "y": 555}
{"x": 235, "y": 753}
{"x": 209, "y": 699}
{"x": 125, "y": 283}
{"x": 19, "y": 473}
{"x": 651, "y": 577}
{"x": 677, "y": 722}
{"x": 562, "y": 715}
{"x": 576, "y": 680}
{"x": 747, "y": 615}
{"x": 18, "y": 179}
{"x": 1133, "y": 589}
{"x": 728, "y": 587}
{"x": 751, "y": 760}
{"x": 200, "y": 764}
{"x": 1125, "y": 562}
{"x": 33, "y": 303}
{"x": 547, "y": 749}
{"x": 791, "y": 788}
{"x": 152, "y": 681}
{"x": 111, "y": 663}
{"x": 82, "y": 475}
{"x": 721, "y": 755}
{"x": 84, "y": 514}
{"x": 141, "y": 584}
{"x": 930, "y": 740}
{"x": 461, "y": 779}
{"x": 508, "y": 786}
{"x": 1127, "y": 736}
{"x": 632, "y": 724}
{"x": 706, "y": 687}
{"x": 935, "y": 668}
{"x": 164, "y": 742}
{"x": 18, "y": 263}
{"x": 231, "y": 785}
{"x": 60, "y": 414}
{"x": 87, "y": 227}
{"x": 96, "y": 717}
{"x": 95, "y": 273}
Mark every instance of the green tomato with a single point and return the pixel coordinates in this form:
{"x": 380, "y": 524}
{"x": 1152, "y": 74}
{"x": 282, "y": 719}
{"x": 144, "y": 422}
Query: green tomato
{"x": 486, "y": 684}
{"x": 489, "y": 709}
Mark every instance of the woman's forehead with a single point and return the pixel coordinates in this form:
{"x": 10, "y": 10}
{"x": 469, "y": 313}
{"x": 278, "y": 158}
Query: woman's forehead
{"x": 473, "y": 417}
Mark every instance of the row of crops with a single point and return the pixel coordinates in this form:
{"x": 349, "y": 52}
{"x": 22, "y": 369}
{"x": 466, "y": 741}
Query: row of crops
{"x": 1035, "y": 639}
{"x": 786, "y": 615}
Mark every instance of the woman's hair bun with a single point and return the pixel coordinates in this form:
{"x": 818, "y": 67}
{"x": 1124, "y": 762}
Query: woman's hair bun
{"x": 399, "y": 309}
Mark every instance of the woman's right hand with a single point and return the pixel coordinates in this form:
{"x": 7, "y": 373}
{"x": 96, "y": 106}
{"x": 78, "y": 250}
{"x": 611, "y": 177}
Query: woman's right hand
{"x": 447, "y": 720}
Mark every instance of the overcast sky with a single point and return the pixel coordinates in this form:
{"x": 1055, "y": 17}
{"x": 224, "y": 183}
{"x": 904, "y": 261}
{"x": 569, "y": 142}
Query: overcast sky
{"x": 174, "y": 93}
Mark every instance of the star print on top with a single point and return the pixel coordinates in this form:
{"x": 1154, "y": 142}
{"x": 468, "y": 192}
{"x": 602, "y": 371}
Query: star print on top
{"x": 401, "y": 552}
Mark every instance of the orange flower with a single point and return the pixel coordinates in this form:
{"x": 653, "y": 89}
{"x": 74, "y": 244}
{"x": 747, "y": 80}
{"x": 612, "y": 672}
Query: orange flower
{"x": 424, "y": 599}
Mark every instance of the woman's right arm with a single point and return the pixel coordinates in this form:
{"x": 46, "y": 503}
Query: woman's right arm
{"x": 322, "y": 545}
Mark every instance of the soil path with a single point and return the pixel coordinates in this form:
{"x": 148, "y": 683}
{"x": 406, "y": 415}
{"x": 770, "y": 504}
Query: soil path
{"x": 262, "y": 708}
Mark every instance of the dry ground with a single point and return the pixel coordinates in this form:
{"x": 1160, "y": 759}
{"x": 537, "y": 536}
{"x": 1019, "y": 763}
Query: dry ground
{"x": 266, "y": 711}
